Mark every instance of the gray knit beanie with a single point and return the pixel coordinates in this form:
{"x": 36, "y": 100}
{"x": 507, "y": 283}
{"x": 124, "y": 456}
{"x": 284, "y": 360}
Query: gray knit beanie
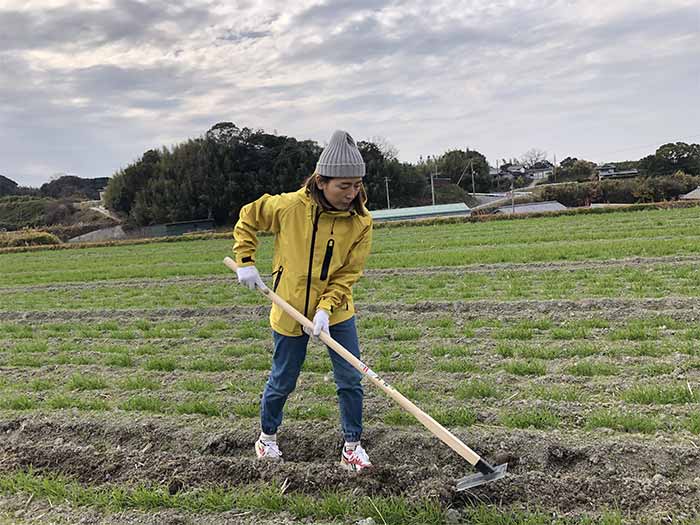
{"x": 341, "y": 158}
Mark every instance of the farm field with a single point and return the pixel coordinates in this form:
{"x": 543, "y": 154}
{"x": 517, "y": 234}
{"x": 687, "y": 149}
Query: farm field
{"x": 567, "y": 346}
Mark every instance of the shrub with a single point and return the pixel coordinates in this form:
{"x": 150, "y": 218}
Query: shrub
{"x": 27, "y": 238}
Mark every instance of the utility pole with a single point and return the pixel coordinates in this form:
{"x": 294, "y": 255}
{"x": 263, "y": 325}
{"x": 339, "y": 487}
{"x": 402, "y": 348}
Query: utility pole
{"x": 432, "y": 175}
{"x": 554, "y": 169}
{"x": 471, "y": 165}
{"x": 386, "y": 184}
{"x": 512, "y": 196}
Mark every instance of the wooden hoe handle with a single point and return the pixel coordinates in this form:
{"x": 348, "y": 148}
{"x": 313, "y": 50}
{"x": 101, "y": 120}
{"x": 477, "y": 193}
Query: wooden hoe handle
{"x": 436, "y": 428}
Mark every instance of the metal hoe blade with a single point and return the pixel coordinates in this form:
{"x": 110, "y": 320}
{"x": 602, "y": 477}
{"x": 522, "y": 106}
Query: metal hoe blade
{"x": 482, "y": 477}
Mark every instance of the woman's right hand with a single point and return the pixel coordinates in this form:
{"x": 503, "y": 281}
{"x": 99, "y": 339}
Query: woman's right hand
{"x": 250, "y": 277}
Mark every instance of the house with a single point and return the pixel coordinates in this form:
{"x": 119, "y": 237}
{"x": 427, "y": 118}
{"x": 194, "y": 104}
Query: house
{"x": 516, "y": 170}
{"x": 540, "y": 170}
{"x": 609, "y": 170}
{"x": 531, "y": 207}
{"x": 539, "y": 174}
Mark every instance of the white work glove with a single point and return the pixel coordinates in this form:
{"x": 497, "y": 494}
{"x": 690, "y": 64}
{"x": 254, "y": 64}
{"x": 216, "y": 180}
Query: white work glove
{"x": 321, "y": 322}
{"x": 249, "y": 276}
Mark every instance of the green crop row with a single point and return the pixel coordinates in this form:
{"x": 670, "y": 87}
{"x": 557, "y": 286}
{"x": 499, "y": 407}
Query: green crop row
{"x": 643, "y": 234}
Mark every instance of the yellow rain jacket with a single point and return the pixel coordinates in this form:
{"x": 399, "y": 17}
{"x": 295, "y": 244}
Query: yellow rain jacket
{"x": 318, "y": 254}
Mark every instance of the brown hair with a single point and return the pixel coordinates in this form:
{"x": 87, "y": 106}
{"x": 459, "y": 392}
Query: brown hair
{"x": 316, "y": 194}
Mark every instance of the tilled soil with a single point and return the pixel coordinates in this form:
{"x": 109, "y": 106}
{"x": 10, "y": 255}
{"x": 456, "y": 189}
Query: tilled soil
{"x": 565, "y": 472}
{"x": 569, "y": 473}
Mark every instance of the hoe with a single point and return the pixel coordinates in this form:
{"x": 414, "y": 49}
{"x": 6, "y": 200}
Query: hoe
{"x": 486, "y": 471}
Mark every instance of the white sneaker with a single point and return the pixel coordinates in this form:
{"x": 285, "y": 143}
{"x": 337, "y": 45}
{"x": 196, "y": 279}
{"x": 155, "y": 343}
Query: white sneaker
{"x": 355, "y": 460}
{"x": 267, "y": 450}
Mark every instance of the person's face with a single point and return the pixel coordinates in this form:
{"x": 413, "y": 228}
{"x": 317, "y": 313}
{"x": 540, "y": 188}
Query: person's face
{"x": 340, "y": 192}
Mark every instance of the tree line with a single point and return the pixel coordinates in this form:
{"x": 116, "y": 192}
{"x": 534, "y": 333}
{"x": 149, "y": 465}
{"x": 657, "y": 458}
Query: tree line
{"x": 214, "y": 175}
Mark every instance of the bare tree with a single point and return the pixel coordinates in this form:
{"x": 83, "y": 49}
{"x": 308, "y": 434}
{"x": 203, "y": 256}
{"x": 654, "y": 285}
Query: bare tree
{"x": 532, "y": 157}
{"x": 389, "y": 151}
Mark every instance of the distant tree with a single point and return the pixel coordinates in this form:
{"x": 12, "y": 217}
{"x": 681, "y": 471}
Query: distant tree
{"x": 573, "y": 169}
{"x": 223, "y": 132}
{"x": 389, "y": 151}
{"x": 532, "y": 157}
{"x": 568, "y": 162}
{"x": 124, "y": 185}
{"x": 582, "y": 169}
{"x": 672, "y": 157}
{"x": 70, "y": 186}
{"x": 458, "y": 165}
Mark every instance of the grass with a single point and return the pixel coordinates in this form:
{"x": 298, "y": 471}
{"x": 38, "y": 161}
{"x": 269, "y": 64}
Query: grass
{"x": 26, "y": 361}
{"x": 660, "y": 394}
{"x": 477, "y": 389}
{"x": 670, "y": 279}
{"x": 82, "y": 382}
{"x": 591, "y": 368}
{"x": 18, "y": 402}
{"x": 31, "y": 347}
{"x": 195, "y": 384}
{"x": 568, "y": 333}
{"x": 449, "y": 351}
{"x": 140, "y": 383}
{"x": 517, "y": 333}
{"x": 120, "y": 360}
{"x": 315, "y": 411}
{"x": 692, "y": 423}
{"x": 41, "y": 385}
{"x": 210, "y": 365}
{"x": 143, "y": 404}
{"x": 204, "y": 407}
{"x": 264, "y": 362}
{"x": 557, "y": 393}
{"x": 541, "y": 419}
{"x": 246, "y": 409}
{"x": 163, "y": 364}
{"x": 454, "y": 417}
{"x": 406, "y": 334}
{"x": 252, "y": 330}
{"x": 398, "y": 417}
{"x": 268, "y": 498}
{"x": 400, "y": 364}
{"x": 622, "y": 422}
{"x": 64, "y": 402}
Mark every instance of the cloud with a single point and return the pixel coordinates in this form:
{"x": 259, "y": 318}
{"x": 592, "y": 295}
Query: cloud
{"x": 86, "y": 88}
{"x": 125, "y": 21}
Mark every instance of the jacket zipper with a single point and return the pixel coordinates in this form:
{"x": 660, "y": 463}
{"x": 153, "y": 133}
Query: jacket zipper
{"x": 277, "y": 279}
{"x": 311, "y": 263}
{"x": 327, "y": 259}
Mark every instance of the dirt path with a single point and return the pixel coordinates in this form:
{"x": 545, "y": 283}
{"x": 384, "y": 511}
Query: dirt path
{"x": 681, "y": 308}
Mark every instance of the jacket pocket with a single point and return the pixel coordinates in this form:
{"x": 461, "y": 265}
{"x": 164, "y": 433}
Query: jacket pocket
{"x": 327, "y": 259}
{"x": 277, "y": 279}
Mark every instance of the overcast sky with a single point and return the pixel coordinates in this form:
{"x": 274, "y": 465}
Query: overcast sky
{"x": 87, "y": 86}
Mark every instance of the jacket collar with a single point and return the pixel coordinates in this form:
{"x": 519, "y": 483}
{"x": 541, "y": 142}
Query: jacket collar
{"x": 312, "y": 207}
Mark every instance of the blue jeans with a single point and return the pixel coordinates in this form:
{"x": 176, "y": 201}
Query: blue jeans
{"x": 290, "y": 352}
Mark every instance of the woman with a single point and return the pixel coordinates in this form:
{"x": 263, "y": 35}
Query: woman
{"x": 323, "y": 235}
